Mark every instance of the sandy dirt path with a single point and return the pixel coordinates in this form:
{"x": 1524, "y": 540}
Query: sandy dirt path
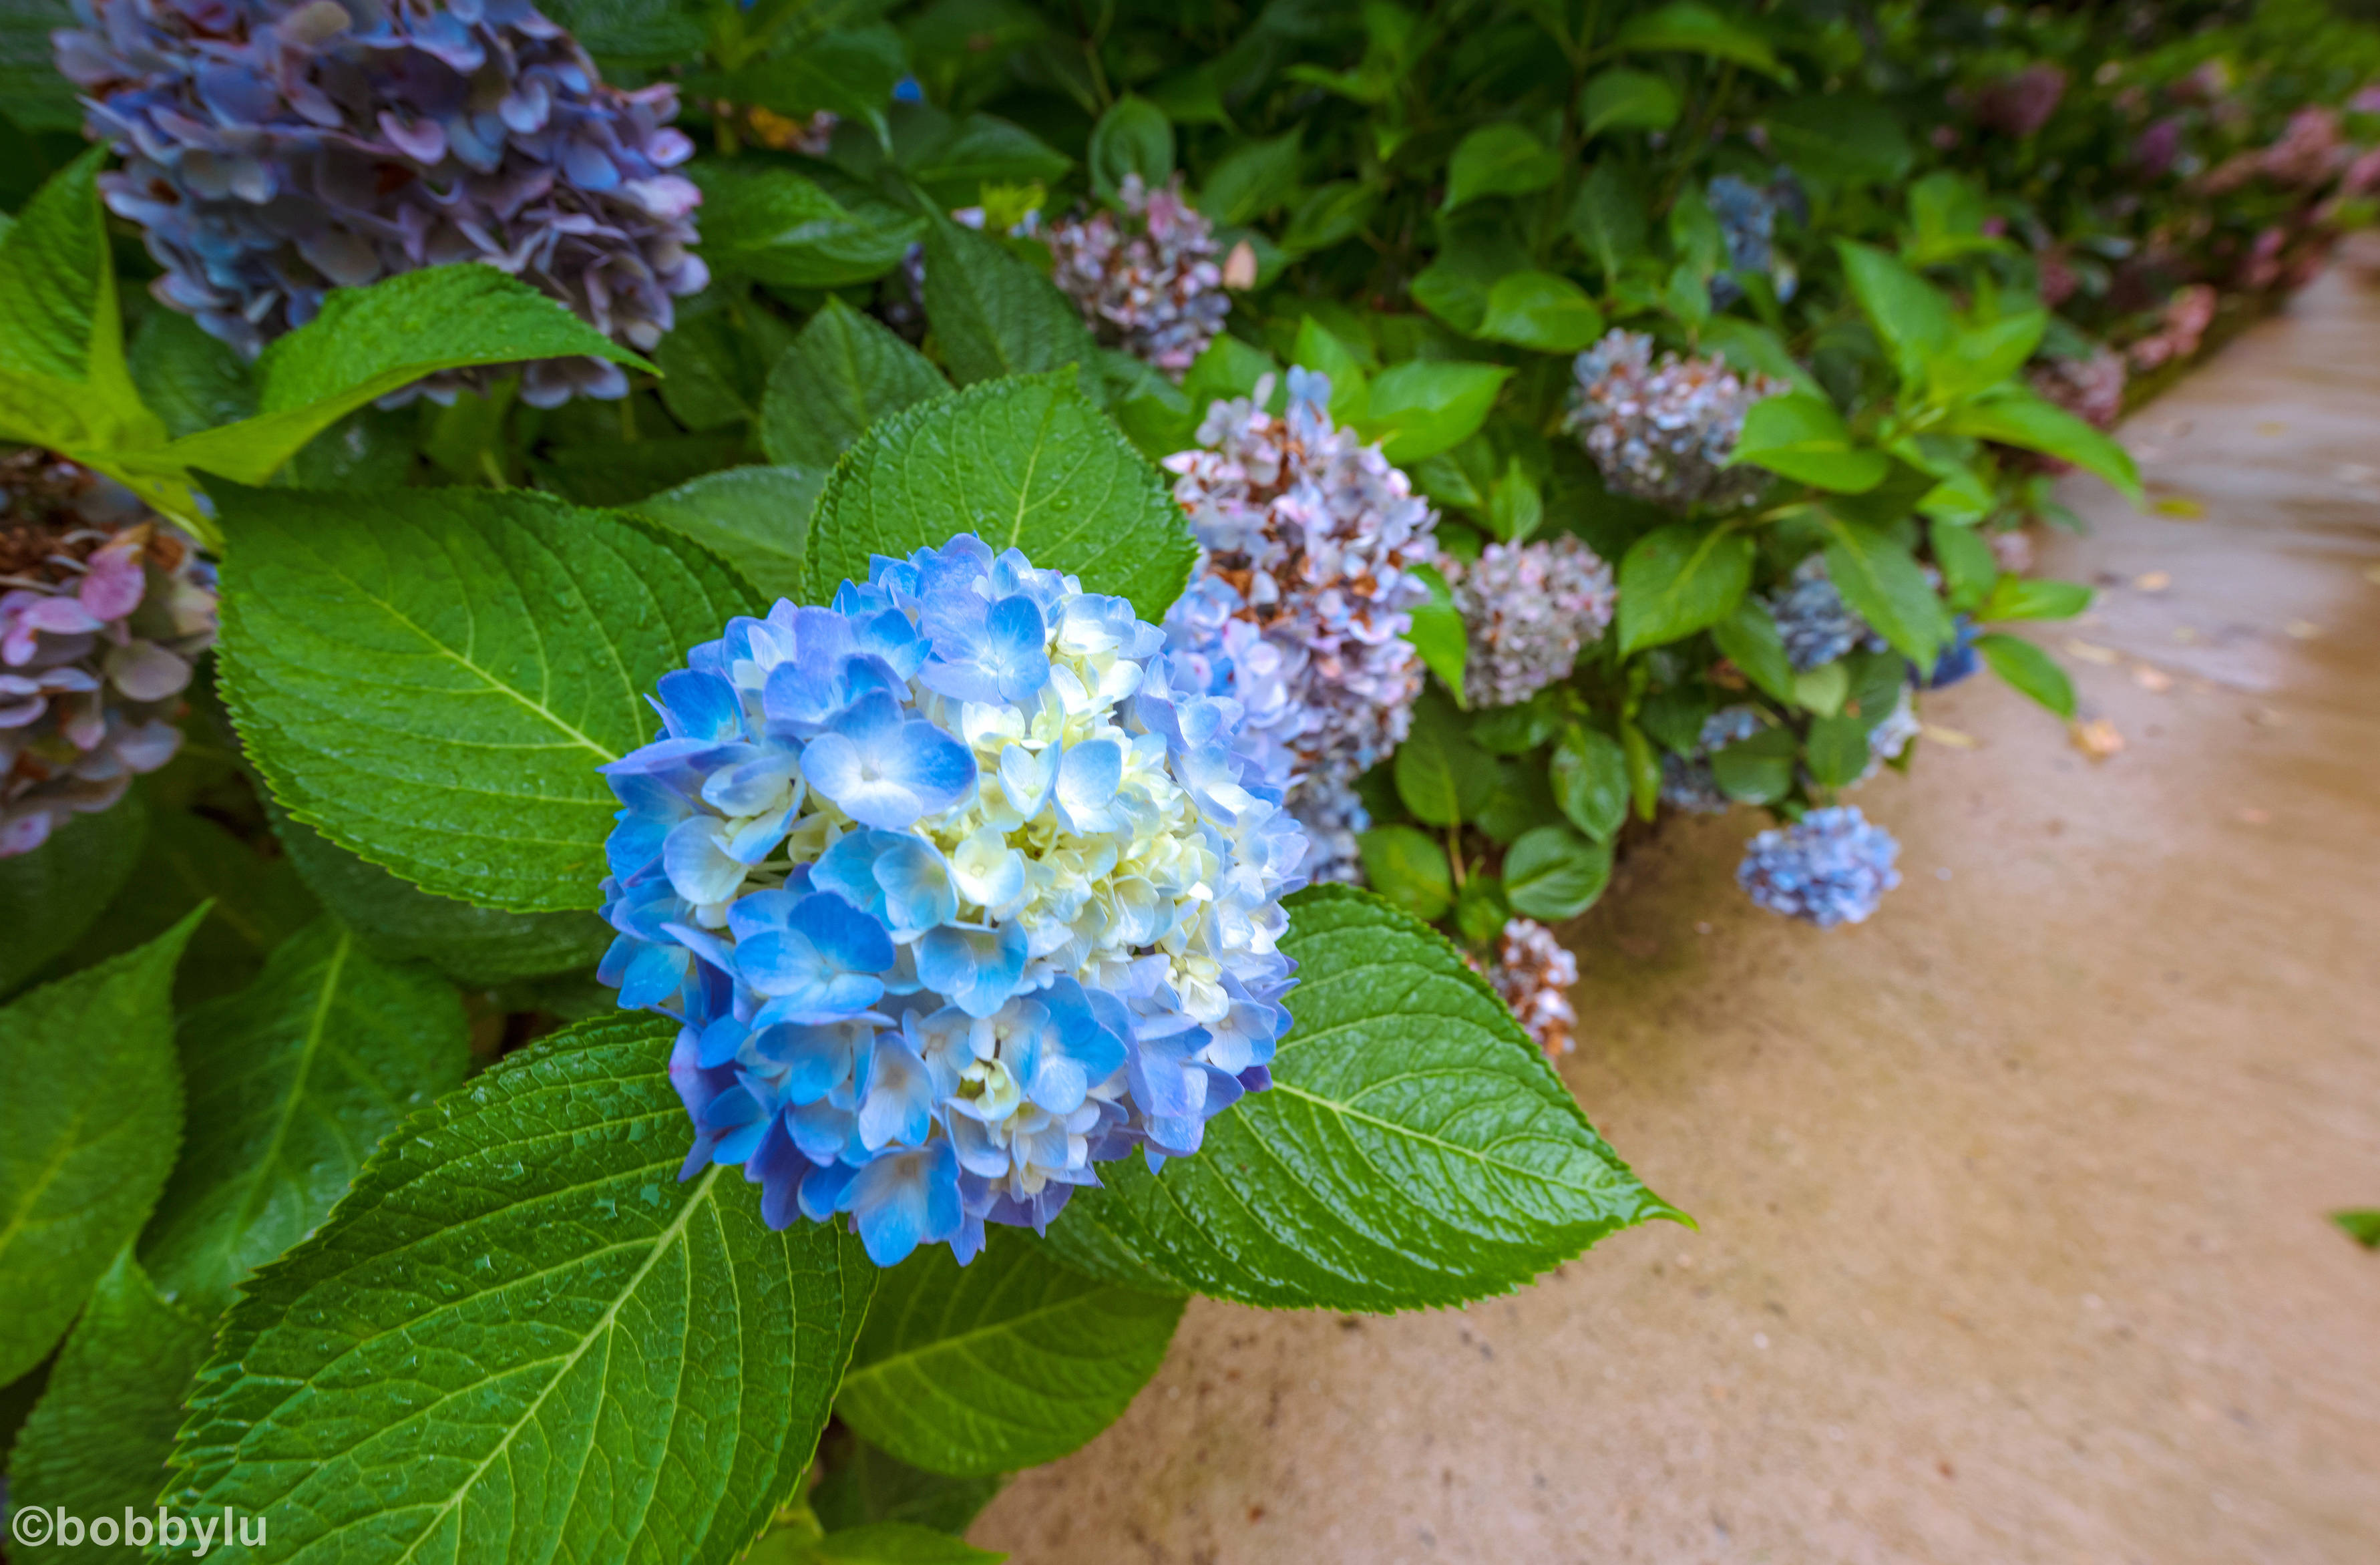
{"x": 2013, "y": 1243}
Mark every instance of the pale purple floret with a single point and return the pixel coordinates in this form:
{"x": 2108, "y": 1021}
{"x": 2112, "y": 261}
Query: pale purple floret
{"x": 1832, "y": 866}
{"x": 277, "y": 148}
{"x": 1304, "y": 590}
{"x": 104, "y": 611}
{"x": 956, "y": 890}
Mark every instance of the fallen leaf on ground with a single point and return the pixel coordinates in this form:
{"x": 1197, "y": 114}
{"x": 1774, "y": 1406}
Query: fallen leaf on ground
{"x": 2091, "y": 652}
{"x": 2154, "y": 581}
{"x": 2182, "y": 506}
{"x": 1950, "y": 736}
{"x": 2184, "y": 634}
{"x": 2097, "y": 738}
{"x": 2303, "y": 630}
{"x": 2149, "y": 676}
{"x": 2268, "y": 717}
{"x": 2272, "y": 426}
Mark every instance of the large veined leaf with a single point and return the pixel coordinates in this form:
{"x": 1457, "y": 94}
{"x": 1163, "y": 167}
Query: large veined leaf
{"x": 1415, "y": 1147}
{"x": 291, "y": 1083}
{"x": 994, "y": 315}
{"x": 370, "y": 341}
{"x": 97, "y": 1442}
{"x": 50, "y": 896}
{"x": 757, "y": 519}
{"x": 842, "y": 374}
{"x": 1680, "y": 579}
{"x": 430, "y": 677}
{"x": 1005, "y": 1363}
{"x": 1026, "y": 463}
{"x": 62, "y": 380}
{"x": 862, "y": 1483}
{"x": 88, "y": 1127}
{"x": 398, "y": 922}
{"x": 521, "y": 1336}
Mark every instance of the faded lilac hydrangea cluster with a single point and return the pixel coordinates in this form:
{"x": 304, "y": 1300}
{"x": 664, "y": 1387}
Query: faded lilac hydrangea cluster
{"x": 1663, "y": 431}
{"x": 1146, "y": 278}
{"x": 1302, "y": 595}
{"x": 102, "y": 611}
{"x": 1532, "y": 974}
{"x": 1529, "y": 609}
{"x": 277, "y": 148}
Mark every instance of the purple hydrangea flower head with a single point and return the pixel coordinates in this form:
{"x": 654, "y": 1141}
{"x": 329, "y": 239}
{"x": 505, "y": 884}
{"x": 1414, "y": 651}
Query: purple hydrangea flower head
{"x": 1304, "y": 591}
{"x": 1832, "y": 866}
{"x": 1146, "y": 275}
{"x": 276, "y": 149}
{"x": 1817, "y": 625}
{"x": 957, "y": 889}
{"x": 1663, "y": 431}
{"x": 1529, "y": 608}
{"x": 1687, "y": 781}
{"x": 103, "y": 609}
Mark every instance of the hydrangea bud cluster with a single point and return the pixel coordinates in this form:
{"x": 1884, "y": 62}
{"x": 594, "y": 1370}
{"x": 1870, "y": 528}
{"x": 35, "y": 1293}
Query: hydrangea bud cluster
{"x": 102, "y": 610}
{"x": 1687, "y": 781}
{"x": 276, "y": 149}
{"x": 1831, "y": 866}
{"x": 1304, "y": 592}
{"x": 1528, "y": 608}
{"x": 1815, "y": 624}
{"x": 956, "y": 891}
{"x": 1532, "y": 974}
{"x": 1747, "y": 221}
{"x": 1664, "y": 432}
{"x": 1146, "y": 278}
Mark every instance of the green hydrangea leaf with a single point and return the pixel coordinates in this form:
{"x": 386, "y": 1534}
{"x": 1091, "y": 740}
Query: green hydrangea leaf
{"x": 1416, "y": 1148}
{"x": 292, "y": 1082}
{"x": 98, "y": 1441}
{"x": 757, "y": 519}
{"x": 398, "y": 922}
{"x": 992, "y": 315}
{"x": 844, "y": 371}
{"x": 88, "y": 1129}
{"x": 431, "y": 677}
{"x": 1003, "y": 1364}
{"x": 1677, "y": 580}
{"x": 862, "y": 1483}
{"x": 521, "y": 1336}
{"x": 1026, "y": 463}
{"x": 368, "y": 342}
{"x": 50, "y": 896}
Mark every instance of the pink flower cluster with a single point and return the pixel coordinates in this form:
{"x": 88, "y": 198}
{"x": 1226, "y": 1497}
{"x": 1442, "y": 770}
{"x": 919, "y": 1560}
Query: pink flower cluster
{"x": 1528, "y": 608}
{"x": 1146, "y": 280}
{"x": 102, "y": 610}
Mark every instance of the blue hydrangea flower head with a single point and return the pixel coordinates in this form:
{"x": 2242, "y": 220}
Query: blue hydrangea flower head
{"x": 1817, "y": 625}
{"x": 276, "y": 149}
{"x": 957, "y": 888}
{"x": 1832, "y": 866}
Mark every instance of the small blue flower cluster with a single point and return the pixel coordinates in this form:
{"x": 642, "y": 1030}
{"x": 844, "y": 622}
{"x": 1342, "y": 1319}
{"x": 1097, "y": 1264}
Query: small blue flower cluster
{"x": 1957, "y": 661}
{"x": 1747, "y": 219}
{"x": 957, "y": 891}
{"x": 1817, "y": 626}
{"x": 276, "y": 149}
{"x": 1831, "y": 866}
{"x": 1687, "y": 782}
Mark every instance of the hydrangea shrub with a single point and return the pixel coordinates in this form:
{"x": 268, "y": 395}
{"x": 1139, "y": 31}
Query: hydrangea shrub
{"x": 716, "y": 815}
